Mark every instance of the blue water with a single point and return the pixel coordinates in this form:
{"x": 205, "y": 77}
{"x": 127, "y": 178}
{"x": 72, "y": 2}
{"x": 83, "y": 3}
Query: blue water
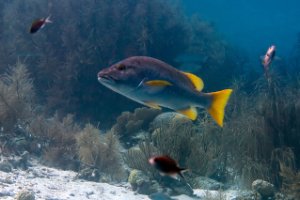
{"x": 252, "y": 25}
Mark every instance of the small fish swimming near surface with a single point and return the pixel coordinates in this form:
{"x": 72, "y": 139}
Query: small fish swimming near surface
{"x": 268, "y": 58}
{"x": 39, "y": 24}
{"x": 167, "y": 166}
{"x": 156, "y": 84}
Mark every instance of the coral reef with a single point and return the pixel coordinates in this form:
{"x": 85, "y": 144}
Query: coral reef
{"x": 25, "y": 195}
{"x": 137, "y": 158}
{"x": 129, "y": 124}
{"x": 264, "y": 188}
{"x": 142, "y": 183}
{"x": 260, "y": 138}
{"x": 99, "y": 152}
{"x": 57, "y": 140}
{"x": 16, "y": 97}
{"x": 291, "y": 181}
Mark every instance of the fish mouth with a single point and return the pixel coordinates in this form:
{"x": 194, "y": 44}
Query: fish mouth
{"x": 106, "y": 79}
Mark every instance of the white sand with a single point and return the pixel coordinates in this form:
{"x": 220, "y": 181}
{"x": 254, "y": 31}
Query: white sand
{"x": 52, "y": 184}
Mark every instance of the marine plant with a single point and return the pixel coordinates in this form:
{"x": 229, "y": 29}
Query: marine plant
{"x": 291, "y": 181}
{"x": 207, "y": 157}
{"x": 137, "y": 158}
{"x": 17, "y": 97}
{"x": 179, "y": 139}
{"x": 262, "y": 131}
{"x": 56, "y": 138}
{"x": 174, "y": 139}
{"x": 129, "y": 124}
{"x": 100, "y": 152}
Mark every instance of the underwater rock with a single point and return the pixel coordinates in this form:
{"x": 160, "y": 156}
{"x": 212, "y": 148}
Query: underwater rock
{"x": 89, "y": 174}
{"x": 142, "y": 183}
{"x": 5, "y": 166}
{"x": 6, "y": 193}
{"x": 19, "y": 143}
{"x": 25, "y": 195}
{"x": 7, "y": 180}
{"x": 14, "y": 162}
{"x": 207, "y": 183}
{"x": 264, "y": 188}
{"x": 247, "y": 195}
{"x": 280, "y": 196}
{"x": 20, "y": 161}
{"x": 168, "y": 118}
{"x": 136, "y": 138}
{"x": 160, "y": 196}
{"x": 177, "y": 187}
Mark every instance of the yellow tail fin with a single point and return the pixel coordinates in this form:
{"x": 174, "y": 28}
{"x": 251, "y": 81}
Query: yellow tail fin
{"x": 218, "y": 104}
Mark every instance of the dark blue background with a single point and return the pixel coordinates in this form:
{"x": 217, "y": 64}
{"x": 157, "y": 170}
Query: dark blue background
{"x": 252, "y": 24}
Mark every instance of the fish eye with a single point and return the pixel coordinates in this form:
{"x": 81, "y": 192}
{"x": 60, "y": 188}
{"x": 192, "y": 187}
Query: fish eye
{"x": 121, "y": 67}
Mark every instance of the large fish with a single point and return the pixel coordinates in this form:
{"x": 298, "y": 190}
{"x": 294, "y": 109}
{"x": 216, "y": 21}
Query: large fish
{"x": 156, "y": 84}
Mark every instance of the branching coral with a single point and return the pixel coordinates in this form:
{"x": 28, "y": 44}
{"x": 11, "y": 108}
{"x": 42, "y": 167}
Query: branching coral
{"x": 206, "y": 157}
{"x": 57, "y": 138}
{"x": 137, "y": 158}
{"x": 291, "y": 181}
{"x": 16, "y": 97}
{"x": 128, "y": 124}
{"x": 174, "y": 139}
{"x": 101, "y": 152}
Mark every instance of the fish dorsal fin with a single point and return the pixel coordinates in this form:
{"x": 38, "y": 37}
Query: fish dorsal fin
{"x": 197, "y": 82}
{"x": 158, "y": 83}
{"x": 152, "y": 105}
{"x": 191, "y": 113}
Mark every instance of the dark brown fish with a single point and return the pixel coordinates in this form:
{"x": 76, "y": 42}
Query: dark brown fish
{"x": 39, "y": 24}
{"x": 166, "y": 166}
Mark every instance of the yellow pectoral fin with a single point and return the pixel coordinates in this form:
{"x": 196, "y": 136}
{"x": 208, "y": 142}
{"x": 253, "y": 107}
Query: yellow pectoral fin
{"x": 197, "y": 82}
{"x": 158, "y": 83}
{"x": 218, "y": 104}
{"x": 152, "y": 105}
{"x": 191, "y": 113}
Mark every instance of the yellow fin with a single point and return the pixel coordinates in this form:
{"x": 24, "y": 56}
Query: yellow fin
{"x": 191, "y": 113}
{"x": 152, "y": 105}
{"x": 198, "y": 83}
{"x": 158, "y": 83}
{"x": 218, "y": 104}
